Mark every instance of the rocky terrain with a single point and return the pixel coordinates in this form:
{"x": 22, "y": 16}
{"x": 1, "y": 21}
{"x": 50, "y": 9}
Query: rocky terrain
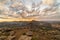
{"x": 33, "y": 30}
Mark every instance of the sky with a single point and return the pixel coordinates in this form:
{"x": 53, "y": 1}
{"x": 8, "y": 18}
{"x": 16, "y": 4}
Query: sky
{"x": 43, "y": 9}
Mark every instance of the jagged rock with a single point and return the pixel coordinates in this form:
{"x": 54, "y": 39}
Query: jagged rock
{"x": 29, "y": 33}
{"x": 10, "y": 37}
{"x": 12, "y": 33}
{"x": 24, "y": 37}
{"x": 3, "y": 37}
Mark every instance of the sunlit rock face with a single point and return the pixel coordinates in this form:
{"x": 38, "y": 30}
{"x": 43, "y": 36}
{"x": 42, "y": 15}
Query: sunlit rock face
{"x": 30, "y": 8}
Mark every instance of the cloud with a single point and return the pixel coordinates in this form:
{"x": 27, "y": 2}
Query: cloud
{"x": 32, "y": 8}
